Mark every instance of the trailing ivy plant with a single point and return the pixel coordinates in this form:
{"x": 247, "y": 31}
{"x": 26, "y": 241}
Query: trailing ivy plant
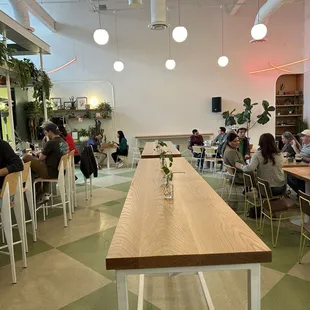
{"x": 105, "y": 109}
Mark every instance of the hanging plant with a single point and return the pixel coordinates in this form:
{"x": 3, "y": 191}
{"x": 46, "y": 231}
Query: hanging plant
{"x": 23, "y": 73}
{"x": 105, "y": 109}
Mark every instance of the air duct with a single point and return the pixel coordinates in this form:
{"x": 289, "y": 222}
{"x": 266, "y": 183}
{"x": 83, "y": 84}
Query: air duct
{"x": 158, "y": 15}
{"x": 21, "y": 14}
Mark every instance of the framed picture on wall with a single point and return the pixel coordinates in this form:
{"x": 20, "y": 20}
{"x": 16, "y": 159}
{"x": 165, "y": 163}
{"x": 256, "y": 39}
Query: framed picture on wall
{"x": 67, "y": 105}
{"x": 75, "y": 135}
{"x": 56, "y": 103}
{"x": 81, "y": 103}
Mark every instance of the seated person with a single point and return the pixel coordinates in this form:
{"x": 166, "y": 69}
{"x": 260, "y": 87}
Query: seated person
{"x": 70, "y": 142}
{"x": 122, "y": 149}
{"x": 196, "y": 139}
{"x": 244, "y": 145}
{"x": 268, "y": 163}
{"x": 231, "y": 155}
{"x": 9, "y": 162}
{"x": 220, "y": 141}
{"x": 47, "y": 165}
{"x": 287, "y": 139}
{"x": 98, "y": 151}
{"x": 295, "y": 183}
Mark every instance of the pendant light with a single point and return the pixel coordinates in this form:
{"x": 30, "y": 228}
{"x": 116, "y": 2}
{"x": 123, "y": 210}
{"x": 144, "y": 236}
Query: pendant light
{"x": 223, "y": 60}
{"x": 179, "y": 33}
{"x": 101, "y": 36}
{"x": 258, "y": 31}
{"x": 170, "y": 63}
{"x": 118, "y": 65}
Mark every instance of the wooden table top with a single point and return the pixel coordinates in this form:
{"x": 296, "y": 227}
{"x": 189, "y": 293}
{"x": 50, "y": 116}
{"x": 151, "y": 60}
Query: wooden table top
{"x": 196, "y": 228}
{"x": 286, "y": 164}
{"x": 148, "y": 151}
{"x": 185, "y": 135}
{"x": 299, "y": 172}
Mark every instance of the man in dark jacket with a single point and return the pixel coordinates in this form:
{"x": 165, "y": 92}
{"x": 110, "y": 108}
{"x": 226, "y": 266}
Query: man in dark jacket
{"x": 196, "y": 139}
{"x": 9, "y": 162}
{"x": 244, "y": 145}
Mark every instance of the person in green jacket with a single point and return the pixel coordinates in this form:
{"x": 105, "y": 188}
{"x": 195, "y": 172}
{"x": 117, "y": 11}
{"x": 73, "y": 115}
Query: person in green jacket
{"x": 122, "y": 149}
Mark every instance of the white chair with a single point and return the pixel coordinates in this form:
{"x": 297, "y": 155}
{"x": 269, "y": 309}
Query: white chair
{"x": 210, "y": 158}
{"x": 198, "y": 150}
{"x": 72, "y": 181}
{"x": 227, "y": 181}
{"x": 136, "y": 156}
{"x": 63, "y": 182}
{"x": 12, "y": 186}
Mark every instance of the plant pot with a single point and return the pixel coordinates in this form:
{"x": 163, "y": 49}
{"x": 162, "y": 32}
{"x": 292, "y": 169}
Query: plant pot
{"x": 84, "y": 139}
{"x": 281, "y": 92}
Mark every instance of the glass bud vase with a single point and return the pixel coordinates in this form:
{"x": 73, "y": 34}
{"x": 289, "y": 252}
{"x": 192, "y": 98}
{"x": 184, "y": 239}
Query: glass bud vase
{"x": 168, "y": 188}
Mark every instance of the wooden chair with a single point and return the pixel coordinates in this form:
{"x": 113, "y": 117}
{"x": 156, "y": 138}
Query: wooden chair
{"x": 63, "y": 182}
{"x": 304, "y": 202}
{"x": 274, "y": 208}
{"x": 252, "y": 197}
{"x": 12, "y": 186}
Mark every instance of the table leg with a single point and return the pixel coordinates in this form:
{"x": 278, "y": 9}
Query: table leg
{"x": 122, "y": 291}
{"x": 254, "y": 287}
{"x": 108, "y": 158}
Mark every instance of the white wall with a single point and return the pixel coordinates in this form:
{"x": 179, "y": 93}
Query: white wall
{"x": 151, "y": 100}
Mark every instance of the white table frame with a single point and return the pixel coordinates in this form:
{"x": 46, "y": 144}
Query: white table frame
{"x": 254, "y": 282}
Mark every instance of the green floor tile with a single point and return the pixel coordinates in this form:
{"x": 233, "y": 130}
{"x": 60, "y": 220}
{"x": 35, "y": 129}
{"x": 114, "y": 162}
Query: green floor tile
{"x": 111, "y": 203}
{"x": 33, "y": 247}
{"x": 114, "y": 210}
{"x": 106, "y": 299}
{"x": 128, "y": 174}
{"x": 81, "y": 187}
{"x": 124, "y": 187}
{"x": 289, "y": 293}
{"x": 213, "y": 182}
{"x": 91, "y": 251}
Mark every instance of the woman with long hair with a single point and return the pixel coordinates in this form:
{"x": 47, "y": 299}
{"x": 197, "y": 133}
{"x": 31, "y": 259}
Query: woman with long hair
{"x": 287, "y": 139}
{"x": 231, "y": 155}
{"x": 122, "y": 149}
{"x": 268, "y": 163}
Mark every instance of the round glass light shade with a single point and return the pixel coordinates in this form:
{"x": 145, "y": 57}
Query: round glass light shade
{"x": 170, "y": 64}
{"x": 223, "y": 61}
{"x": 259, "y": 31}
{"x": 118, "y": 66}
{"x": 179, "y": 34}
{"x": 101, "y": 36}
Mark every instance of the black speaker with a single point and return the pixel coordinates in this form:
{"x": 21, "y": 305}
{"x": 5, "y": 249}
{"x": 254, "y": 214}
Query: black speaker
{"x": 216, "y": 104}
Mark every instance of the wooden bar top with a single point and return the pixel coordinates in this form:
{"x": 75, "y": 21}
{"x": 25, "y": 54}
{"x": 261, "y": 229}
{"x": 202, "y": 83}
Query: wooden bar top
{"x": 196, "y": 228}
{"x": 185, "y": 135}
{"x": 299, "y": 172}
{"x": 149, "y": 152}
{"x": 286, "y": 164}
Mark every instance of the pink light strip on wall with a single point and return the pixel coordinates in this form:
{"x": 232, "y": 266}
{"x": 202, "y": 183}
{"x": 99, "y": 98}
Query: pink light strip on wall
{"x": 63, "y": 66}
{"x": 281, "y": 66}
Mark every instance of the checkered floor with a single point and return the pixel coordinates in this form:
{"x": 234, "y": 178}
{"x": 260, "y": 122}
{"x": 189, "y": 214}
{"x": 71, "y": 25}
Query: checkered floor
{"x": 66, "y": 266}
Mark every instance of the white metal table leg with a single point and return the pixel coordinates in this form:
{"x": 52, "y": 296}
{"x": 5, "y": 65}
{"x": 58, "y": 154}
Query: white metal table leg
{"x": 254, "y": 287}
{"x": 108, "y": 158}
{"x": 206, "y": 291}
{"x": 122, "y": 291}
{"x": 141, "y": 292}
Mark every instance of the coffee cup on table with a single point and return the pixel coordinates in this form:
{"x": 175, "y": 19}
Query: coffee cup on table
{"x": 298, "y": 158}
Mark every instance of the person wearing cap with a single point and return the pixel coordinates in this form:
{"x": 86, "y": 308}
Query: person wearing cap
{"x": 47, "y": 165}
{"x": 244, "y": 145}
{"x": 295, "y": 183}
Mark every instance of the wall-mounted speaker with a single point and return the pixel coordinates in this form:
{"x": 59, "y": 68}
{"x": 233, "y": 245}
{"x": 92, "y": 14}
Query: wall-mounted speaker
{"x": 216, "y": 104}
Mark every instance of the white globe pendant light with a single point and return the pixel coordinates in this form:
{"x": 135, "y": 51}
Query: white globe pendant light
{"x": 118, "y": 66}
{"x": 179, "y": 34}
{"x": 223, "y": 61}
{"x": 259, "y": 31}
{"x": 170, "y": 64}
{"x": 101, "y": 36}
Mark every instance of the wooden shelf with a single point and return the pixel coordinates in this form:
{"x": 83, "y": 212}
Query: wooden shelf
{"x": 290, "y": 115}
{"x": 288, "y": 105}
{"x": 75, "y": 110}
{"x": 293, "y": 95}
{"x": 286, "y": 126}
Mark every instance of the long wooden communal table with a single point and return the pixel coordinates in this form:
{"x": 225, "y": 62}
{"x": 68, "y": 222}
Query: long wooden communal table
{"x": 149, "y": 152}
{"x": 194, "y": 232}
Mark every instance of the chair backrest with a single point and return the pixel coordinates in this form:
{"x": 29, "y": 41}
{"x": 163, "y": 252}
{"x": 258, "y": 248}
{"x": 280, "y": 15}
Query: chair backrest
{"x": 25, "y": 173}
{"x": 197, "y": 149}
{"x": 304, "y": 201}
{"x": 210, "y": 151}
{"x": 10, "y": 180}
{"x": 248, "y": 181}
{"x": 64, "y": 160}
{"x": 264, "y": 188}
{"x": 230, "y": 170}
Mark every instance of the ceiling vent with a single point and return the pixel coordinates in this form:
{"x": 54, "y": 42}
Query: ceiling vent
{"x": 158, "y": 15}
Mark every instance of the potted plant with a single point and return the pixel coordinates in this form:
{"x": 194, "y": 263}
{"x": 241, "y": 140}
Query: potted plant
{"x": 105, "y": 109}
{"x": 229, "y": 118}
{"x": 281, "y": 91}
{"x": 83, "y": 135}
{"x": 4, "y": 110}
{"x": 290, "y": 110}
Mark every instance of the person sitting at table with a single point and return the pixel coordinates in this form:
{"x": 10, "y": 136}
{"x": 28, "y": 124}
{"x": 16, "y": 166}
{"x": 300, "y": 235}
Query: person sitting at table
{"x": 231, "y": 155}
{"x": 295, "y": 183}
{"x": 221, "y": 137}
{"x": 70, "y": 142}
{"x": 46, "y": 166}
{"x": 196, "y": 139}
{"x": 244, "y": 145}
{"x": 268, "y": 163}
{"x": 95, "y": 142}
{"x": 287, "y": 149}
{"x": 121, "y": 149}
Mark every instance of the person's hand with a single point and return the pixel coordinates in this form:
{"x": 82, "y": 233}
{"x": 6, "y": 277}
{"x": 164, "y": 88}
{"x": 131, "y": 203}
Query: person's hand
{"x": 238, "y": 165}
{"x": 246, "y": 157}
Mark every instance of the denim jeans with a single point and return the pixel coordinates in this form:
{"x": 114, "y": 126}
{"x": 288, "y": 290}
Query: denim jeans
{"x": 296, "y": 184}
{"x": 277, "y": 191}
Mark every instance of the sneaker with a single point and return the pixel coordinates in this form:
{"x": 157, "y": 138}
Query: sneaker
{"x": 43, "y": 199}
{"x": 116, "y": 164}
{"x": 121, "y": 164}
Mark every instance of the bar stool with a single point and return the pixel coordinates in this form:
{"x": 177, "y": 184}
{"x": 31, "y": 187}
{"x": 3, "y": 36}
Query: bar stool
{"x": 71, "y": 166}
{"x": 63, "y": 182}
{"x": 12, "y": 186}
